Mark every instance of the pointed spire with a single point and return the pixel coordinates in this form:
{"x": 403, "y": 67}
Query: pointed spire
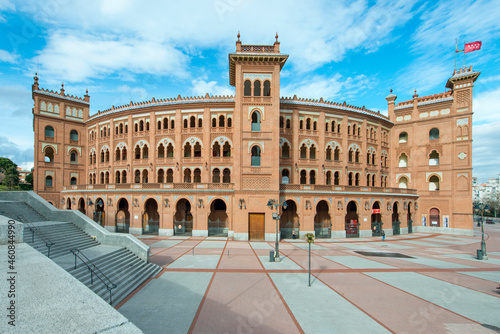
{"x": 238, "y": 35}
{"x": 276, "y": 36}
{"x": 62, "y": 88}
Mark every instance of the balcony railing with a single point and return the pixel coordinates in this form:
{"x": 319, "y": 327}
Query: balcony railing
{"x": 341, "y": 188}
{"x": 219, "y": 186}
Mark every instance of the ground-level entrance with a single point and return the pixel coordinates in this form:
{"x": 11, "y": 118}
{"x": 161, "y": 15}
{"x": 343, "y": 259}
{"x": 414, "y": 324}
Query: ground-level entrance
{"x": 256, "y": 226}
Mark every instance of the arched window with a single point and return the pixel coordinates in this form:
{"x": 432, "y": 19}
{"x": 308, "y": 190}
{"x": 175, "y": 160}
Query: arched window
{"x": 403, "y": 160}
{"x": 118, "y": 154}
{"x": 434, "y": 183}
{"x": 117, "y": 176}
{"x": 124, "y": 176}
{"x": 107, "y": 177}
{"x": 357, "y": 179}
{"x": 49, "y": 154}
{"x": 434, "y": 158}
{"x": 229, "y": 122}
{"x": 192, "y": 122}
{"x": 214, "y": 122}
{"x": 73, "y": 157}
{"x": 247, "y": 90}
{"x": 255, "y": 156}
{"x": 136, "y": 127}
{"x": 49, "y": 131}
{"x": 256, "y": 121}
{"x": 48, "y": 181}
{"x": 315, "y": 125}
{"x": 145, "y": 175}
{"x": 328, "y": 178}
{"x": 403, "y": 182}
{"x": 329, "y": 153}
{"x": 285, "y": 151}
{"x": 226, "y": 175}
{"x": 221, "y": 121}
{"x": 102, "y": 177}
{"x": 165, "y": 123}
{"x": 336, "y": 178}
{"x": 159, "y": 125}
{"x": 226, "y": 149}
{"x": 170, "y": 175}
{"x": 312, "y": 152}
{"x": 197, "y": 176}
{"x": 161, "y": 176}
{"x": 126, "y": 128}
{"x": 170, "y": 150}
{"x": 172, "y": 124}
{"x": 333, "y": 126}
{"x": 187, "y": 150}
{"x": 161, "y": 151}
{"x": 312, "y": 177}
{"x": 434, "y": 217}
{"x": 326, "y": 126}
{"x": 200, "y": 122}
{"x": 145, "y": 152}
{"x": 373, "y": 180}
{"x": 102, "y": 156}
{"x": 147, "y": 127}
{"x": 303, "y": 177}
{"x": 338, "y": 128}
{"x": 336, "y": 154}
{"x": 282, "y": 122}
{"x": 185, "y": 123}
{"x": 303, "y": 151}
{"x": 308, "y": 124}
{"x": 354, "y": 129}
{"x": 197, "y": 150}
{"x": 94, "y": 181}
{"x": 73, "y": 135}
{"x": 403, "y": 137}
{"x": 350, "y": 179}
{"x": 301, "y": 124}
{"x": 285, "y": 176}
{"x": 288, "y": 124}
{"x": 267, "y": 88}
{"x": 368, "y": 180}
{"x": 141, "y": 125}
{"x": 90, "y": 178}
{"x": 351, "y": 153}
{"x": 90, "y": 159}
{"x": 256, "y": 88}
{"x": 356, "y": 157}
{"x": 434, "y": 133}
{"x": 124, "y": 153}
{"x": 216, "y": 175}
{"x": 373, "y": 158}
{"x": 216, "y": 150}
{"x": 137, "y": 152}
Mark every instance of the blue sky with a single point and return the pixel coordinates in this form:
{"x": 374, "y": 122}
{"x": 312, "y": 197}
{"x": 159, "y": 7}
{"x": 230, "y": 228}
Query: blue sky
{"x": 122, "y": 51}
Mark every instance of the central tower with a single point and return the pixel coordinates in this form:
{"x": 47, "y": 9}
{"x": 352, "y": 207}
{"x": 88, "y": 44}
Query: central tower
{"x": 254, "y": 71}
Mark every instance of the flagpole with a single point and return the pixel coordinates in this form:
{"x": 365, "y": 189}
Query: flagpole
{"x": 464, "y": 54}
{"x": 456, "y": 54}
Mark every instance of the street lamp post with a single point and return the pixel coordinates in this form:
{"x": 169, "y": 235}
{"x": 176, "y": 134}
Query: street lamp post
{"x": 482, "y": 207}
{"x": 273, "y": 204}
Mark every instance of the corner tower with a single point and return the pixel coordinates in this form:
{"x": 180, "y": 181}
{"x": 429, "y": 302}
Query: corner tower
{"x": 254, "y": 71}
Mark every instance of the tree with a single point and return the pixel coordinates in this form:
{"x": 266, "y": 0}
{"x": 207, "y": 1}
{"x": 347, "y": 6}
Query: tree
{"x": 29, "y": 178}
{"x": 11, "y": 178}
{"x": 493, "y": 201}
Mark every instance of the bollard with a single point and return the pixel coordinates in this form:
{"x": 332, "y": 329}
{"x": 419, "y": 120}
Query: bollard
{"x": 479, "y": 254}
{"x": 271, "y": 256}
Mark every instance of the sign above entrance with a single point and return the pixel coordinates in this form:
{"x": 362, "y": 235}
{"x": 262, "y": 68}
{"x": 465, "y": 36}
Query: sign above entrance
{"x": 375, "y": 211}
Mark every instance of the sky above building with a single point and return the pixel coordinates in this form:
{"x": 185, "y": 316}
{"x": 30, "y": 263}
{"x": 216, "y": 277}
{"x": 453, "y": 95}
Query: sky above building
{"x": 353, "y": 51}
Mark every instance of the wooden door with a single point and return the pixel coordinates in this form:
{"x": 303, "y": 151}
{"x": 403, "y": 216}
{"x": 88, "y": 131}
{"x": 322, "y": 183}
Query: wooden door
{"x": 256, "y": 226}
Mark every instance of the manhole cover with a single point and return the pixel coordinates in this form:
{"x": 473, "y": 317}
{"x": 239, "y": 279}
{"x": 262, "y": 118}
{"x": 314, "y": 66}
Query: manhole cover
{"x": 384, "y": 254}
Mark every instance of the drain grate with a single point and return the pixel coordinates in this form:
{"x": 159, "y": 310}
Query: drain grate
{"x": 384, "y": 254}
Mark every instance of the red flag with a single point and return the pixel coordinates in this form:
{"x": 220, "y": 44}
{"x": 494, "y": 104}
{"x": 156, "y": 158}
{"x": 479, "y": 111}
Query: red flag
{"x": 469, "y": 47}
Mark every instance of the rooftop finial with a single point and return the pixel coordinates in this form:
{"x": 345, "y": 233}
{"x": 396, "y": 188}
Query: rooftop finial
{"x": 391, "y": 90}
{"x": 238, "y": 35}
{"x": 276, "y": 36}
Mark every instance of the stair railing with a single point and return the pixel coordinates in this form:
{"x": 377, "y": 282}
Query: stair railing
{"x": 94, "y": 270}
{"x": 39, "y": 233}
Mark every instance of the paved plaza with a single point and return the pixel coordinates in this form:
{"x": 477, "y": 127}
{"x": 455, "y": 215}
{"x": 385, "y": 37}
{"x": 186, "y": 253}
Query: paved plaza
{"x": 416, "y": 283}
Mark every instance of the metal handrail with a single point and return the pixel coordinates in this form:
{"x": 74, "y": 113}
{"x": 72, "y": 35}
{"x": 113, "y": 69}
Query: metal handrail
{"x": 93, "y": 269}
{"x": 40, "y": 234}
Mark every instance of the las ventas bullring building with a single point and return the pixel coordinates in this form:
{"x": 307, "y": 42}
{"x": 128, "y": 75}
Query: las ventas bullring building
{"x": 208, "y": 166}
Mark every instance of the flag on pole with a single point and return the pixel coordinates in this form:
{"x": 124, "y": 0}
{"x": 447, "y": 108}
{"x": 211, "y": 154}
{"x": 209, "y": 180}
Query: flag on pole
{"x": 469, "y": 47}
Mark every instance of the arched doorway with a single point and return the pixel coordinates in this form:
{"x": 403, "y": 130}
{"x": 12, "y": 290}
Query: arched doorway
{"x": 322, "y": 221}
{"x": 410, "y": 218}
{"x": 396, "y": 223}
{"x": 150, "y": 218}
{"x": 376, "y": 220}
{"x": 99, "y": 214}
{"x": 289, "y": 221}
{"x": 218, "y": 219}
{"x": 68, "y": 204}
{"x": 81, "y": 205}
{"x": 434, "y": 217}
{"x": 183, "y": 219}
{"x": 122, "y": 217}
{"x": 351, "y": 221}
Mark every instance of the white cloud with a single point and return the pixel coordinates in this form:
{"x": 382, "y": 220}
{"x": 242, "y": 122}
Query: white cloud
{"x": 5, "y": 5}
{"x": 16, "y": 153}
{"x": 78, "y": 57}
{"x": 202, "y": 87}
{"x": 487, "y": 107}
{"x": 7, "y": 57}
{"x": 486, "y": 151}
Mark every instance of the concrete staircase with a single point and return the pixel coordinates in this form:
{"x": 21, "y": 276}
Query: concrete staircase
{"x": 65, "y": 236}
{"x": 12, "y": 209}
{"x": 122, "y": 268}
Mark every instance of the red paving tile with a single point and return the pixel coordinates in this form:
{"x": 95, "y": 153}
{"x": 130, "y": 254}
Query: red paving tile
{"x": 243, "y": 304}
{"x": 235, "y": 261}
{"x": 396, "y": 309}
